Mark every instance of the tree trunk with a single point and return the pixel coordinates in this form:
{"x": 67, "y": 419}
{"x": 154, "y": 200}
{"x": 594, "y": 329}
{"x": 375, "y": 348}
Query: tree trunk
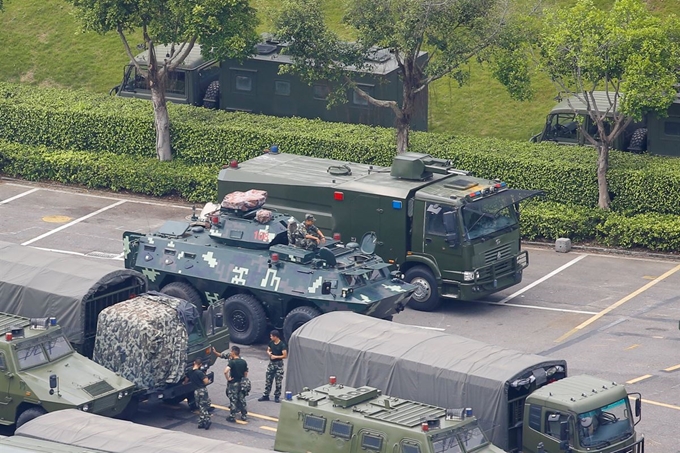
{"x": 404, "y": 119}
{"x": 602, "y": 166}
{"x": 162, "y": 123}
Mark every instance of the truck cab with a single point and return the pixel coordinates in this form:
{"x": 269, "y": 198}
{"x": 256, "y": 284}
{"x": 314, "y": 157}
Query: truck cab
{"x": 581, "y": 414}
{"x": 40, "y": 372}
{"x": 451, "y": 234}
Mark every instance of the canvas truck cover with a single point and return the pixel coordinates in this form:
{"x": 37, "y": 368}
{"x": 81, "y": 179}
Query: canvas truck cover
{"x": 74, "y": 427}
{"x": 37, "y": 283}
{"x": 412, "y": 363}
{"x": 145, "y": 339}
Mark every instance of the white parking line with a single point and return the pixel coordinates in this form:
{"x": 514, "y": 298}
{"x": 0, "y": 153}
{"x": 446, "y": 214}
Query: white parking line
{"x": 78, "y": 220}
{"x": 542, "y": 279}
{"x": 441, "y": 329}
{"x": 153, "y": 203}
{"x": 28, "y": 192}
{"x": 564, "y": 310}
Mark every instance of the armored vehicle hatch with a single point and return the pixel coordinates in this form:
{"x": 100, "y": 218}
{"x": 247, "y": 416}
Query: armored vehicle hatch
{"x": 241, "y": 253}
{"x": 341, "y": 418}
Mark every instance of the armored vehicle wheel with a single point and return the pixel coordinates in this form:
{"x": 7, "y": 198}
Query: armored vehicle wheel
{"x": 296, "y": 318}
{"x": 29, "y": 414}
{"x": 184, "y": 291}
{"x": 212, "y": 95}
{"x": 245, "y": 318}
{"x": 425, "y": 297}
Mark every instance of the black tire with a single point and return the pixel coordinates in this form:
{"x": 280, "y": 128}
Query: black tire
{"x": 211, "y": 100}
{"x": 29, "y": 414}
{"x": 425, "y": 298}
{"x": 638, "y": 141}
{"x": 245, "y": 318}
{"x": 296, "y": 318}
{"x": 184, "y": 291}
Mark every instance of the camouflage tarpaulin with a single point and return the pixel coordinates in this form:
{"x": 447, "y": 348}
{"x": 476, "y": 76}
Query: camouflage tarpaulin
{"x": 408, "y": 362}
{"x": 145, "y": 339}
{"x": 93, "y": 432}
{"x": 37, "y": 283}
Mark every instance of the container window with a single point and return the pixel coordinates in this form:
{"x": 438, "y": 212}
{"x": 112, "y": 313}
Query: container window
{"x": 341, "y": 429}
{"x": 371, "y": 442}
{"x": 244, "y": 83}
{"x": 314, "y": 423}
{"x": 671, "y": 128}
{"x": 282, "y": 88}
{"x": 321, "y": 91}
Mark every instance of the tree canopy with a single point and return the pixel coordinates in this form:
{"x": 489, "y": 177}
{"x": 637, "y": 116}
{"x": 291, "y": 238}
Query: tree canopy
{"x": 627, "y": 52}
{"x": 452, "y": 32}
{"x": 224, "y": 28}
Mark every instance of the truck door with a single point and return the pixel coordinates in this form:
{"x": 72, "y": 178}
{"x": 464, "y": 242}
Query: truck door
{"x": 366, "y": 216}
{"x": 440, "y": 241}
{"x": 9, "y": 389}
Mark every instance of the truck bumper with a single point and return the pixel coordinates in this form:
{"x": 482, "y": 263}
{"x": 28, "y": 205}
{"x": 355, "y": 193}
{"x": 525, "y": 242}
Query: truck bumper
{"x": 488, "y": 279}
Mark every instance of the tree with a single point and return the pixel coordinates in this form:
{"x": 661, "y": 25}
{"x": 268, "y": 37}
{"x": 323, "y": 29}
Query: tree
{"x": 453, "y": 32}
{"x": 633, "y": 55}
{"x": 224, "y": 28}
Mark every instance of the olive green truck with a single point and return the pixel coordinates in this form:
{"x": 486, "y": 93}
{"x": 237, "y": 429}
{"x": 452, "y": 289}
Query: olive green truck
{"x": 454, "y": 236}
{"x": 524, "y": 402}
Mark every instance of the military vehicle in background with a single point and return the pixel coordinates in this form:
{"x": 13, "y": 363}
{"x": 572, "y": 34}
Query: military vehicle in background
{"x": 654, "y": 134}
{"x": 93, "y": 434}
{"x": 241, "y": 254}
{"x": 255, "y": 86}
{"x": 521, "y": 400}
{"x": 76, "y": 290}
{"x": 40, "y": 372}
{"x": 452, "y": 235}
{"x": 335, "y": 417}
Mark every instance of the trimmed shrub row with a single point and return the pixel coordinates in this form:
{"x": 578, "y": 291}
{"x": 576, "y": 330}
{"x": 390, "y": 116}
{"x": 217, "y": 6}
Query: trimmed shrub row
{"x": 195, "y": 182}
{"x": 79, "y": 120}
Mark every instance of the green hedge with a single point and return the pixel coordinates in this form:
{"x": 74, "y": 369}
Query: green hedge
{"x": 195, "y": 182}
{"x": 79, "y": 120}
{"x": 110, "y": 171}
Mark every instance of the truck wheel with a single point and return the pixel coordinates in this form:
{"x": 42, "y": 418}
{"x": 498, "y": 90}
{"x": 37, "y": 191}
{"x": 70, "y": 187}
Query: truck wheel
{"x": 296, "y": 318}
{"x": 212, "y": 95}
{"x": 29, "y": 414}
{"x": 184, "y": 291}
{"x": 425, "y": 297}
{"x": 245, "y": 318}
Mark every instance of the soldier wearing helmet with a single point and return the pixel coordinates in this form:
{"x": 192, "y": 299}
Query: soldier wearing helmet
{"x": 312, "y": 233}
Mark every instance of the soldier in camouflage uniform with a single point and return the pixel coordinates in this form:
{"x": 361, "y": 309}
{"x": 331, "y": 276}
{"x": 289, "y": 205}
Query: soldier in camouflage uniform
{"x": 277, "y": 350}
{"x": 237, "y": 390}
{"x": 197, "y": 377}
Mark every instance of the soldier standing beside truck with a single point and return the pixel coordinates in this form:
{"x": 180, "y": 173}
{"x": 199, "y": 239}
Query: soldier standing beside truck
{"x": 201, "y": 381}
{"x": 236, "y": 373}
{"x": 277, "y": 350}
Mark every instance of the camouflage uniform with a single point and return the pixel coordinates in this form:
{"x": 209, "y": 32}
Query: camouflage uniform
{"x": 302, "y": 242}
{"x": 237, "y": 399}
{"x": 203, "y": 403}
{"x": 275, "y": 370}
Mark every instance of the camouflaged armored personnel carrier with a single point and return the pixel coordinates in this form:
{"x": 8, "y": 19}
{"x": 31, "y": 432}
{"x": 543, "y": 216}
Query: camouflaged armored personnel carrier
{"x": 241, "y": 254}
{"x": 40, "y": 372}
{"x": 339, "y": 418}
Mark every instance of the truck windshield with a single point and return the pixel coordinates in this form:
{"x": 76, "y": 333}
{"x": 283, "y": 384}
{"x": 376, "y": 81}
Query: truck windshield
{"x": 31, "y": 356}
{"x": 57, "y": 347}
{"x": 605, "y": 425}
{"x": 487, "y": 220}
{"x": 459, "y": 441}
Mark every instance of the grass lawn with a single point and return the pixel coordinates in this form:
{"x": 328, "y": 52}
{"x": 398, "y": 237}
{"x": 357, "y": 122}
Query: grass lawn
{"x": 40, "y": 43}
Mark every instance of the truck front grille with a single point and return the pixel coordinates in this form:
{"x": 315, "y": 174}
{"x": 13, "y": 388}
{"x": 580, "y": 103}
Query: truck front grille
{"x": 498, "y": 254}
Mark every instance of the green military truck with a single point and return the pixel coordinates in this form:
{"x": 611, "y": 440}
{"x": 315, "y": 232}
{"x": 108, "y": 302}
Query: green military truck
{"x": 654, "y": 134}
{"x": 256, "y": 86}
{"x": 40, "y": 372}
{"x": 524, "y": 402}
{"x": 81, "y": 292}
{"x": 335, "y": 417}
{"x": 452, "y": 235}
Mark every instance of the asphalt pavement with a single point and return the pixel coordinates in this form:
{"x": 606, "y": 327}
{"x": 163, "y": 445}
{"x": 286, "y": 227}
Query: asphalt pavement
{"x": 614, "y": 316}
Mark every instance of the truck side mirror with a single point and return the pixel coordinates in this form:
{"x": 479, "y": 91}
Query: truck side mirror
{"x": 219, "y": 320}
{"x": 564, "y": 436}
{"x": 326, "y": 288}
{"x": 53, "y": 381}
{"x": 638, "y": 407}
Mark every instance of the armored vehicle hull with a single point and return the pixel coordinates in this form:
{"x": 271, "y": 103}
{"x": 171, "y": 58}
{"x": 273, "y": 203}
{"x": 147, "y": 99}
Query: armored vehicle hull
{"x": 344, "y": 419}
{"x": 261, "y": 278}
{"x": 40, "y": 372}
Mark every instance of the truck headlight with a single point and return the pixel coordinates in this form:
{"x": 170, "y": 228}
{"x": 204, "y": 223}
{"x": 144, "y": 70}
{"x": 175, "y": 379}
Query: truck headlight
{"x": 469, "y": 275}
{"x": 122, "y": 395}
{"x": 85, "y": 408}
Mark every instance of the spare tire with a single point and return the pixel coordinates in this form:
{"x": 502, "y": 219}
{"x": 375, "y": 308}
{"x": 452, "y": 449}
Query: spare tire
{"x": 638, "y": 141}
{"x": 211, "y": 100}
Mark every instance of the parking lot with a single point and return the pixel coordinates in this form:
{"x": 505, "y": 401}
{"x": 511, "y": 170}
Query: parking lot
{"x": 615, "y": 316}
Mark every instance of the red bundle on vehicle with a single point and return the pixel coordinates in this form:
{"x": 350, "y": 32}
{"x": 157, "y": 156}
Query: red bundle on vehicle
{"x": 244, "y": 201}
